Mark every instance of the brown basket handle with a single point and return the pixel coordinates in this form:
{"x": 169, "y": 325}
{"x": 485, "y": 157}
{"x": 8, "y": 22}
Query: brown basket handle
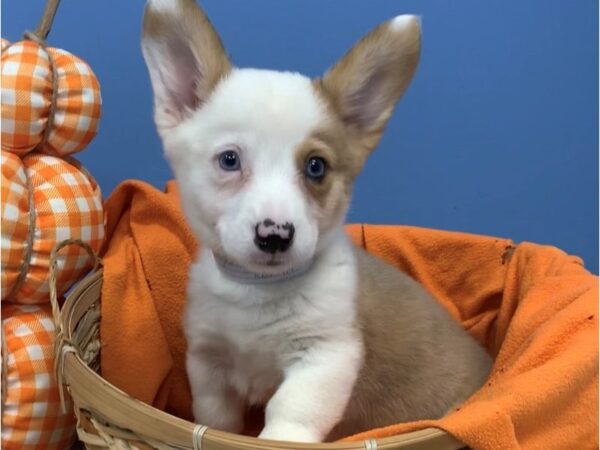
{"x": 63, "y": 345}
{"x": 54, "y": 268}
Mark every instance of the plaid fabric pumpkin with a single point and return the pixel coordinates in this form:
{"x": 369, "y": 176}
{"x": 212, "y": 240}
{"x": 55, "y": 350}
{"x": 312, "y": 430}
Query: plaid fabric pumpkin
{"x": 26, "y": 98}
{"x": 32, "y": 418}
{"x": 66, "y": 203}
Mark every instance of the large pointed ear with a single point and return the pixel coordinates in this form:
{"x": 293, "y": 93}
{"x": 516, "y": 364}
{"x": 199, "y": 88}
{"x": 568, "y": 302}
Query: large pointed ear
{"x": 185, "y": 58}
{"x": 366, "y": 83}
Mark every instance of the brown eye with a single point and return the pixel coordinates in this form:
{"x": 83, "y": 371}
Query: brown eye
{"x": 315, "y": 168}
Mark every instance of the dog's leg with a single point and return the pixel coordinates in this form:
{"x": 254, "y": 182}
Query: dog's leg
{"x": 314, "y": 394}
{"x": 215, "y": 403}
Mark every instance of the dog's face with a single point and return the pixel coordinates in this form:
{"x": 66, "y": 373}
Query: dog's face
{"x": 265, "y": 160}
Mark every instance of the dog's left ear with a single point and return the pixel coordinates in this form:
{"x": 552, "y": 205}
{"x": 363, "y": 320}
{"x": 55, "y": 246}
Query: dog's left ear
{"x": 185, "y": 58}
{"x": 366, "y": 83}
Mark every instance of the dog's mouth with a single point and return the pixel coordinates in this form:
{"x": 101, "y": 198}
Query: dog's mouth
{"x": 259, "y": 263}
{"x": 269, "y": 263}
{"x": 274, "y": 263}
{"x": 262, "y": 270}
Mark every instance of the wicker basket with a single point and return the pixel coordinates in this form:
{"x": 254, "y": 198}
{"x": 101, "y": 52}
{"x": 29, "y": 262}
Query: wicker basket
{"x": 109, "y": 418}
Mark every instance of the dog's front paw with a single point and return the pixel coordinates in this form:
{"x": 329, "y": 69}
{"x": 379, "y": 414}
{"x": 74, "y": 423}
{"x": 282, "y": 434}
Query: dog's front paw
{"x": 283, "y": 431}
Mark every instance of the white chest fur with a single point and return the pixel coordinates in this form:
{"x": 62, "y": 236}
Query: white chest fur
{"x": 252, "y": 337}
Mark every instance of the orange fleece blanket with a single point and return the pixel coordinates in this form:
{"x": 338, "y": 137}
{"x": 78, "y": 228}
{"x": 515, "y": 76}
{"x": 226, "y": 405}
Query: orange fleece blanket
{"x": 533, "y": 307}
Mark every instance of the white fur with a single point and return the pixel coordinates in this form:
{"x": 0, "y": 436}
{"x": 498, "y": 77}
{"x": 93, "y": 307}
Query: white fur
{"x": 164, "y": 6}
{"x": 264, "y": 115}
{"x": 245, "y": 340}
{"x": 403, "y": 21}
{"x": 301, "y": 332}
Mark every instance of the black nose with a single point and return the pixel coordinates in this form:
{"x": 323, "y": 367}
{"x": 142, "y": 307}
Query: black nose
{"x": 271, "y": 237}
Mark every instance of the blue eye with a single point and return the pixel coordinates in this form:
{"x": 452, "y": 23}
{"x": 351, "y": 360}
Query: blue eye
{"x": 229, "y": 160}
{"x": 315, "y": 168}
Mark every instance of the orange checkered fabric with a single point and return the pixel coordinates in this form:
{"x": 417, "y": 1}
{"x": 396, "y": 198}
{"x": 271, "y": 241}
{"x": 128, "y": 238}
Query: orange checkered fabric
{"x": 15, "y": 218}
{"x": 32, "y": 418}
{"x": 67, "y": 204}
{"x": 26, "y": 100}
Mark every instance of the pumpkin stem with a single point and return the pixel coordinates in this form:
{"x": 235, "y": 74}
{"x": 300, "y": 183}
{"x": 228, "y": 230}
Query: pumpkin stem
{"x": 45, "y": 25}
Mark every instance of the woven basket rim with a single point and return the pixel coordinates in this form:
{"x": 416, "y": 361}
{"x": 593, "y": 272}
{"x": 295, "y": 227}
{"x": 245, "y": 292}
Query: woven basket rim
{"x": 127, "y": 418}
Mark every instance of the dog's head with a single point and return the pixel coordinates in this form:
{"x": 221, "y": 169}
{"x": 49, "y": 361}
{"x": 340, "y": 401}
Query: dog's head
{"x": 265, "y": 160}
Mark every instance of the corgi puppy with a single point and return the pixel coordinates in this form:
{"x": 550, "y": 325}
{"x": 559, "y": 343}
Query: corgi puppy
{"x": 282, "y": 310}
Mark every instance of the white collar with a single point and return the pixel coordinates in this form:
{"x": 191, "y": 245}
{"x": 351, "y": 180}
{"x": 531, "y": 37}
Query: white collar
{"x": 242, "y": 275}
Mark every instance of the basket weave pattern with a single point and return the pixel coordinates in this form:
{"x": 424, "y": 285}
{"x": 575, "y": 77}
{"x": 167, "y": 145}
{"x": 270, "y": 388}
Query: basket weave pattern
{"x": 108, "y": 418}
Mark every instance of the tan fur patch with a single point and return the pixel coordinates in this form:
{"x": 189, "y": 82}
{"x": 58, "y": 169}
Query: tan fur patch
{"x": 364, "y": 86}
{"x": 409, "y": 372}
{"x": 332, "y": 194}
{"x": 191, "y": 24}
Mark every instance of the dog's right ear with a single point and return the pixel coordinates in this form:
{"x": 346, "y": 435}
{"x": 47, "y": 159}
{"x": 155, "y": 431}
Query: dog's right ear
{"x": 185, "y": 58}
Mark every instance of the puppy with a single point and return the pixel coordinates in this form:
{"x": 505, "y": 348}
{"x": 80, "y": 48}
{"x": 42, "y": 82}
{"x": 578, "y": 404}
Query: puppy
{"x": 282, "y": 309}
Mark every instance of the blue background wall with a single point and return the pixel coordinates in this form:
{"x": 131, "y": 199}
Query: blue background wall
{"x": 497, "y": 135}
